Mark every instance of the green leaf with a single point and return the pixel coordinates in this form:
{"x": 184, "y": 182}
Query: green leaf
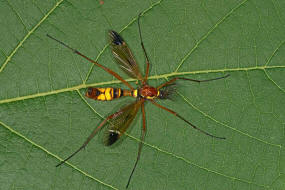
{"x": 44, "y": 115}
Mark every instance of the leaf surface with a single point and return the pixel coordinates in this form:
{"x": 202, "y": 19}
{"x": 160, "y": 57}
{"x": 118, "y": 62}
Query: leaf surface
{"x": 44, "y": 115}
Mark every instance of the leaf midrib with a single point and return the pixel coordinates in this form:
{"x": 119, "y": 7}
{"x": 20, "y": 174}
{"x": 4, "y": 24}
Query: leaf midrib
{"x": 161, "y": 76}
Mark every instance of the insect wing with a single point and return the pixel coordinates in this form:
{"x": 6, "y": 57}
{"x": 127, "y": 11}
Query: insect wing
{"x": 120, "y": 122}
{"x": 124, "y": 56}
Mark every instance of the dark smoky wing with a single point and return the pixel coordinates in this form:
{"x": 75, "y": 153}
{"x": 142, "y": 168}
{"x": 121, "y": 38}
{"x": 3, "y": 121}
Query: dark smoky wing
{"x": 124, "y": 56}
{"x": 121, "y": 121}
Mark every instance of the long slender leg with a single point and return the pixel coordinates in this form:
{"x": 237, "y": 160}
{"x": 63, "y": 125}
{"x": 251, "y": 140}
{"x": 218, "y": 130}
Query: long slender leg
{"x": 94, "y": 62}
{"x": 145, "y": 54}
{"x": 176, "y": 114}
{"x": 140, "y": 145}
{"x": 89, "y": 138}
{"x": 181, "y": 78}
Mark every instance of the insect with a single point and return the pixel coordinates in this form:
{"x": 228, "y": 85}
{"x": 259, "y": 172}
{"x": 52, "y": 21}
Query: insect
{"x": 118, "y": 122}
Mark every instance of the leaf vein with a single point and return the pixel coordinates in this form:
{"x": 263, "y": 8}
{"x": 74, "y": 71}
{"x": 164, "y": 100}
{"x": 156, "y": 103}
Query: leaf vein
{"x": 53, "y": 155}
{"x": 173, "y": 154}
{"x": 9, "y": 57}
{"x": 124, "y": 28}
{"x": 208, "y": 33}
{"x": 226, "y": 125}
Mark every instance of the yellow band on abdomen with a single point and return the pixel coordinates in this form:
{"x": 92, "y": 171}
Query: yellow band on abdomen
{"x": 109, "y": 94}
{"x": 135, "y": 93}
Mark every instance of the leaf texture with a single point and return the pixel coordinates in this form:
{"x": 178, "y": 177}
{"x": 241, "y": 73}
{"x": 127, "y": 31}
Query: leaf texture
{"x": 44, "y": 115}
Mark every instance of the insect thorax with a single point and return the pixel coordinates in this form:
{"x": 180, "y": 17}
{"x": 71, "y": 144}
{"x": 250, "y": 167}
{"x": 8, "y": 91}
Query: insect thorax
{"x": 149, "y": 92}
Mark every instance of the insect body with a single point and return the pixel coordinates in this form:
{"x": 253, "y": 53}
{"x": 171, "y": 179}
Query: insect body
{"x": 107, "y": 94}
{"x": 118, "y": 122}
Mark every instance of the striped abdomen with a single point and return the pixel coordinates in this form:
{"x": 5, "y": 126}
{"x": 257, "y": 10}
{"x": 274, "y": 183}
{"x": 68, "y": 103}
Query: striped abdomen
{"x": 107, "y": 94}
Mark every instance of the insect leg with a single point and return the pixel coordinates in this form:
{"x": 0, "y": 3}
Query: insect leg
{"x": 89, "y": 138}
{"x": 94, "y": 62}
{"x": 181, "y": 78}
{"x": 192, "y": 125}
{"x": 140, "y": 145}
{"x": 147, "y": 60}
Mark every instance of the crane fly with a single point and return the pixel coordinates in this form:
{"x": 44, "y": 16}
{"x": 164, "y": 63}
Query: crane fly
{"x": 118, "y": 122}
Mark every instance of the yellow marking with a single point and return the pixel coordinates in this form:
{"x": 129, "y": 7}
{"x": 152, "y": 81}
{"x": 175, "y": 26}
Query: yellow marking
{"x": 119, "y": 92}
{"x": 135, "y": 93}
{"x": 101, "y": 97}
{"x": 153, "y": 97}
{"x": 150, "y": 97}
{"x": 108, "y": 95}
{"x": 102, "y": 90}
